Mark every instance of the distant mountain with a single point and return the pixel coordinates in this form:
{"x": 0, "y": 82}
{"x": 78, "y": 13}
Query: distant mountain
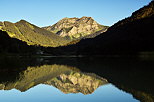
{"x": 32, "y": 34}
{"x": 76, "y": 27}
{"x": 131, "y": 35}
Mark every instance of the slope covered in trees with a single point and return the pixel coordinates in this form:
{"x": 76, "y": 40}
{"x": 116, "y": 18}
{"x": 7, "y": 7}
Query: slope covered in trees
{"x": 32, "y": 34}
{"x": 131, "y": 35}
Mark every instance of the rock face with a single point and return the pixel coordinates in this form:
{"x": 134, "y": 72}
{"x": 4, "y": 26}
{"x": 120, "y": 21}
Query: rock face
{"x": 76, "y": 27}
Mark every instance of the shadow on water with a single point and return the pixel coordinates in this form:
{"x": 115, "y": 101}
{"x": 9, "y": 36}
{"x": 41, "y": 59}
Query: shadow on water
{"x": 133, "y": 75}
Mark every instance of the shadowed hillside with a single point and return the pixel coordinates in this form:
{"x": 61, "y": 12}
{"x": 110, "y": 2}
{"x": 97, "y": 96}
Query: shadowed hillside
{"x": 13, "y": 45}
{"x": 129, "y": 36}
{"x": 132, "y": 35}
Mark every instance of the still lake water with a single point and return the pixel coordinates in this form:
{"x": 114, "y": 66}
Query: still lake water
{"x": 76, "y": 79}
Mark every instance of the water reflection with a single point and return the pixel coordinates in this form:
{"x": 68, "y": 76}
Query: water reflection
{"x": 65, "y": 78}
{"x": 80, "y": 75}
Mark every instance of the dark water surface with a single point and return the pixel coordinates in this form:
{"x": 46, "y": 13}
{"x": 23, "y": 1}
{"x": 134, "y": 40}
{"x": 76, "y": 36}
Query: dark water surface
{"x": 107, "y": 79}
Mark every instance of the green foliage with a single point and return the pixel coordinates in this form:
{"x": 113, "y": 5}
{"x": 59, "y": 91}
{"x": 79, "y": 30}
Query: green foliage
{"x": 33, "y": 35}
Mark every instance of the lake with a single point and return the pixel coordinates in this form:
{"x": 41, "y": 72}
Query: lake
{"x": 77, "y": 79}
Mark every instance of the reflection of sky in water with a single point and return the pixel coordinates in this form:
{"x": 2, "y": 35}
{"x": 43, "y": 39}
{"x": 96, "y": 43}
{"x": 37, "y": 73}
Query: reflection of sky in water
{"x": 45, "y": 93}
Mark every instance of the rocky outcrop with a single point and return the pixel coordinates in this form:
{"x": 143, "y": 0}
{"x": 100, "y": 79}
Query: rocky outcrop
{"x": 76, "y": 27}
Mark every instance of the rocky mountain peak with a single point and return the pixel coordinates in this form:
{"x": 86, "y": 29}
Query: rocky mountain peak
{"x": 75, "y": 27}
{"x": 76, "y": 20}
{"x": 22, "y": 20}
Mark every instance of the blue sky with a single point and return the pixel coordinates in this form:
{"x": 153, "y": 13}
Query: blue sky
{"x": 47, "y": 12}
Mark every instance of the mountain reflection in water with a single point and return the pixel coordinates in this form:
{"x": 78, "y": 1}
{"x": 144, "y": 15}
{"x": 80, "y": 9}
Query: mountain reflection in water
{"x": 80, "y": 75}
{"x": 67, "y": 79}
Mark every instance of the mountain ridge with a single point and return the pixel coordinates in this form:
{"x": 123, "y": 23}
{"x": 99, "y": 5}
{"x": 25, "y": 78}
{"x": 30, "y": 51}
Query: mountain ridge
{"x": 76, "y": 27}
{"x": 128, "y": 36}
{"x": 32, "y": 34}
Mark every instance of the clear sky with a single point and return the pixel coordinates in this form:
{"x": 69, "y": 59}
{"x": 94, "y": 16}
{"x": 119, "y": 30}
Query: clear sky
{"x": 47, "y": 12}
